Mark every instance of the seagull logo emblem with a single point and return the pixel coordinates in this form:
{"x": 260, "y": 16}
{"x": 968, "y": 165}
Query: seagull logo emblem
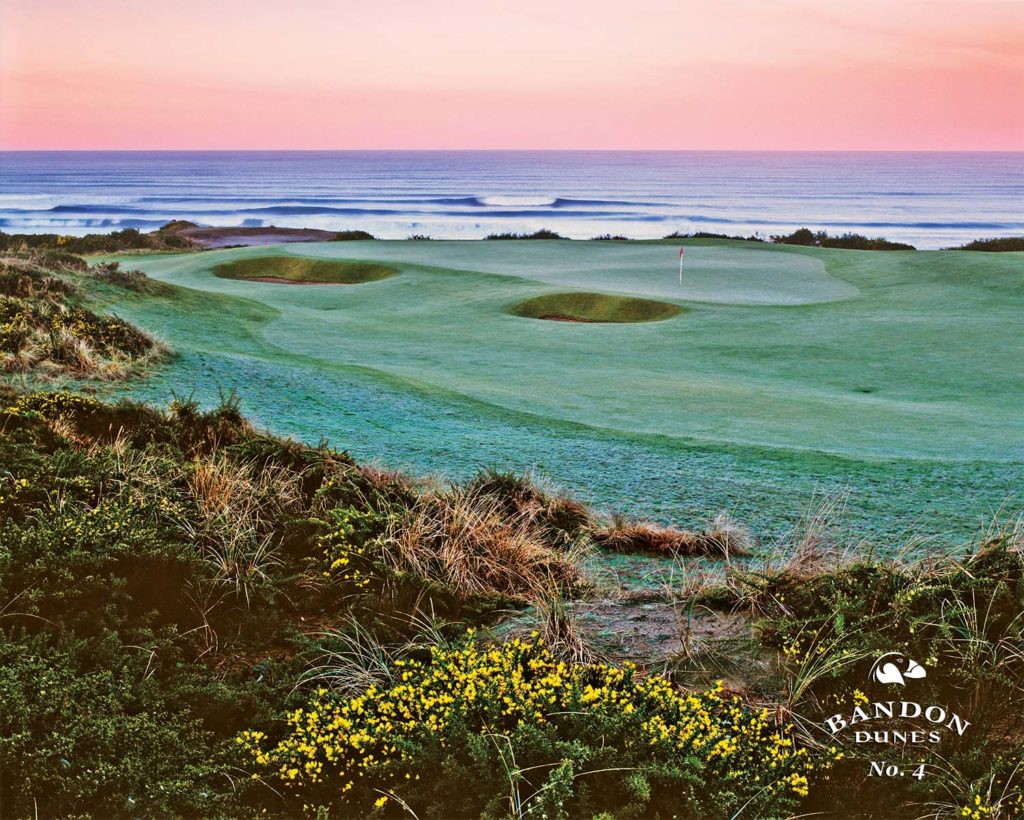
{"x": 895, "y": 667}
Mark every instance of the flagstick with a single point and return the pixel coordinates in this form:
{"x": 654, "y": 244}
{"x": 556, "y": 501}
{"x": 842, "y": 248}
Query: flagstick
{"x": 680, "y": 266}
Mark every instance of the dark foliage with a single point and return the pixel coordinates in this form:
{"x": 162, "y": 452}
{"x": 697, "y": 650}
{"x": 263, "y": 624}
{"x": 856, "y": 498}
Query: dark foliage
{"x": 847, "y": 241}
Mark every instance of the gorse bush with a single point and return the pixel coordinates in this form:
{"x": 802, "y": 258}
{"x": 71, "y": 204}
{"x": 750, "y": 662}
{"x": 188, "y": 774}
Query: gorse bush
{"x": 959, "y": 616}
{"x": 129, "y": 239}
{"x": 519, "y": 729}
{"x": 167, "y": 571}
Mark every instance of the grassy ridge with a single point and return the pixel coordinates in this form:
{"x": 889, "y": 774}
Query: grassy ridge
{"x": 594, "y": 307}
{"x": 47, "y": 328}
{"x": 303, "y": 270}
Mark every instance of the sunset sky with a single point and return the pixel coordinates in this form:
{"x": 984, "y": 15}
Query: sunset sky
{"x": 729, "y": 74}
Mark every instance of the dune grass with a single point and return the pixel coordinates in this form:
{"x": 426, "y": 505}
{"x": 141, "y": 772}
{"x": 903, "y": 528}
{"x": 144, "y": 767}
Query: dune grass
{"x": 300, "y": 270}
{"x": 595, "y": 307}
{"x": 48, "y": 329}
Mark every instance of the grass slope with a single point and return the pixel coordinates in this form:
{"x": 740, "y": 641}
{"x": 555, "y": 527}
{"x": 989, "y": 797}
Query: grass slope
{"x": 594, "y": 307}
{"x": 888, "y": 378}
{"x": 300, "y": 270}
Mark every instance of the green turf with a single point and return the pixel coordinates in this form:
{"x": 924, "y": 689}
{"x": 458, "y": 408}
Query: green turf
{"x": 303, "y": 270}
{"x": 579, "y": 306}
{"x": 896, "y": 376}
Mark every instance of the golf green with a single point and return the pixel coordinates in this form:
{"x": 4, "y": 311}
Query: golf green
{"x": 892, "y": 378}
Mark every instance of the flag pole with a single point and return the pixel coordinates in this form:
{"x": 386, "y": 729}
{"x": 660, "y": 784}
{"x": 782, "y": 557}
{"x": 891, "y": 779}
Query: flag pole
{"x": 680, "y": 264}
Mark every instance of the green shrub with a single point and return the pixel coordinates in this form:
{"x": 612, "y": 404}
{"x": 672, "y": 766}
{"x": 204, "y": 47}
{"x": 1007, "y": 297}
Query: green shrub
{"x": 486, "y": 731}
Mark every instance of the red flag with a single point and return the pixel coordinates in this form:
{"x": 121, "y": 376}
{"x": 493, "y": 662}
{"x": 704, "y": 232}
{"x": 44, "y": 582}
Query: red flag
{"x": 680, "y": 250}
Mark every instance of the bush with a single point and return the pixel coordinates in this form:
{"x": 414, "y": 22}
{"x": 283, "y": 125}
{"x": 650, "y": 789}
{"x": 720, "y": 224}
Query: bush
{"x": 129, "y": 239}
{"x": 543, "y": 233}
{"x": 483, "y": 731}
{"x": 848, "y": 241}
{"x": 1001, "y": 245}
{"x": 98, "y": 738}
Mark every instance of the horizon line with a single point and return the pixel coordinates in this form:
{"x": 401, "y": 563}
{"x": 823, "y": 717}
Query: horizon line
{"x": 524, "y": 150}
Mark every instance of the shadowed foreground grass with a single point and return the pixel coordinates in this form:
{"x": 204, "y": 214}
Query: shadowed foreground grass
{"x": 595, "y": 307}
{"x": 302, "y": 270}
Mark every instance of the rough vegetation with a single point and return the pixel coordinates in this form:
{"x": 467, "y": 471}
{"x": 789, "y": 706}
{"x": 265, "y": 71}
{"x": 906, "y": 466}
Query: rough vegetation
{"x": 130, "y": 239}
{"x": 349, "y": 236}
{"x": 199, "y": 619}
{"x": 848, "y": 241}
{"x": 543, "y": 233}
{"x": 1002, "y": 244}
{"x": 46, "y": 329}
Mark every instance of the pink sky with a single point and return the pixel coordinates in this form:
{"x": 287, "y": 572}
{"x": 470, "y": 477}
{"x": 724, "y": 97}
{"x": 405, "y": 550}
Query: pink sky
{"x": 729, "y": 74}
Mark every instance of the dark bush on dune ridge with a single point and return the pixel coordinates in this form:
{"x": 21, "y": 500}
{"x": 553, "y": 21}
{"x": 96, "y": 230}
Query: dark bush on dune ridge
{"x": 130, "y": 239}
{"x": 350, "y": 236}
{"x": 999, "y": 245}
{"x": 847, "y": 241}
{"x": 706, "y": 235}
{"x": 543, "y": 233}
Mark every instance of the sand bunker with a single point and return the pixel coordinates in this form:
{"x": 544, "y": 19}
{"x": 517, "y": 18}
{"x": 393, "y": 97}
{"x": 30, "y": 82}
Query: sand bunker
{"x": 302, "y": 270}
{"x": 594, "y": 307}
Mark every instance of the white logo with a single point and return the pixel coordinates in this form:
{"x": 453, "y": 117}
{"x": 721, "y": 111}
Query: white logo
{"x": 895, "y": 667}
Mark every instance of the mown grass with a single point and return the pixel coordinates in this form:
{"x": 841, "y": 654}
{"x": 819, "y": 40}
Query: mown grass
{"x": 594, "y": 307}
{"x": 303, "y": 270}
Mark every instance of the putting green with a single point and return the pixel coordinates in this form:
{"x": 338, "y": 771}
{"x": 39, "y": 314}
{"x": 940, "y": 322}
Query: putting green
{"x": 594, "y": 308}
{"x": 300, "y": 270}
{"x": 896, "y": 376}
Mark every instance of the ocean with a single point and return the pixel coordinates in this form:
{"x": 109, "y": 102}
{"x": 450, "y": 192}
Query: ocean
{"x": 930, "y": 200}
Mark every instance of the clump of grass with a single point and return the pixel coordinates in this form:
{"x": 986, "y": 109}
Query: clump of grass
{"x": 50, "y": 338}
{"x": 237, "y": 508}
{"x": 722, "y": 540}
{"x": 560, "y": 631}
{"x": 467, "y": 540}
{"x": 559, "y": 519}
{"x": 135, "y": 280}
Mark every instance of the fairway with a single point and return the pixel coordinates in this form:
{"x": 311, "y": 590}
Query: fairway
{"x": 893, "y": 376}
